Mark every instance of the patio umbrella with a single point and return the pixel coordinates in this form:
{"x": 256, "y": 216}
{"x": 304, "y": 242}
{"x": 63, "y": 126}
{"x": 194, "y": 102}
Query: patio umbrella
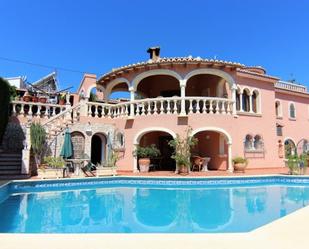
{"x": 67, "y": 150}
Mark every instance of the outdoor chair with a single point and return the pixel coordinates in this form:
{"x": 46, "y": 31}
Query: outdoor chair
{"x": 197, "y": 163}
{"x": 88, "y": 168}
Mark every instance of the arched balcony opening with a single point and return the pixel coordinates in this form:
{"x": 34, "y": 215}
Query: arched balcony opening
{"x": 98, "y": 148}
{"x": 120, "y": 92}
{"x": 161, "y": 139}
{"x": 212, "y": 147}
{"x": 246, "y": 100}
{"x": 256, "y": 101}
{"x": 157, "y": 85}
{"x": 95, "y": 94}
{"x": 207, "y": 85}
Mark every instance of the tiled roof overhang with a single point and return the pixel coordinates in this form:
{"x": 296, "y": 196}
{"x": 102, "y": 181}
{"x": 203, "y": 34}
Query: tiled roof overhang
{"x": 169, "y": 62}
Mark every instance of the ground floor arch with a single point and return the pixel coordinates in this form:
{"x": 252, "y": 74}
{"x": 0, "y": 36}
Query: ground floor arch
{"x": 160, "y": 137}
{"x": 214, "y": 144}
{"x": 98, "y": 148}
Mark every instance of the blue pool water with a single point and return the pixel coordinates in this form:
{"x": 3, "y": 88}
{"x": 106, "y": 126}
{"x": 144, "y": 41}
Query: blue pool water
{"x": 128, "y": 205}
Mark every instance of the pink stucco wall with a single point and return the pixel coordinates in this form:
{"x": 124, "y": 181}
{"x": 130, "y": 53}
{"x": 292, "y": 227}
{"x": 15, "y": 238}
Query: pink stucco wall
{"x": 234, "y": 127}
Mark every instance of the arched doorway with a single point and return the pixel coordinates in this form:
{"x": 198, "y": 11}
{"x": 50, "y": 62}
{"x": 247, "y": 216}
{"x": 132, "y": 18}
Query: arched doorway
{"x": 161, "y": 139}
{"x": 78, "y": 142}
{"x": 289, "y": 148}
{"x": 98, "y": 148}
{"x": 214, "y": 144}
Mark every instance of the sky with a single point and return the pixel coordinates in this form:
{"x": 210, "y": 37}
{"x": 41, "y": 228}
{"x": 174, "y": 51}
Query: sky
{"x": 97, "y": 35}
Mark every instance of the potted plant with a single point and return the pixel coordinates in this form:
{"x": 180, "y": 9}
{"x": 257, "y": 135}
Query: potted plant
{"x": 182, "y": 151}
{"x": 240, "y": 164}
{"x": 297, "y": 164}
{"x": 38, "y": 140}
{"x": 52, "y": 167}
{"x": 42, "y": 99}
{"x": 27, "y": 97}
{"x": 144, "y": 154}
{"x": 62, "y": 98}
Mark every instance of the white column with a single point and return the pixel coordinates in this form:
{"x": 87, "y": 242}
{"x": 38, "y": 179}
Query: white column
{"x": 183, "y": 96}
{"x": 240, "y": 102}
{"x": 229, "y": 156}
{"x": 250, "y": 103}
{"x": 132, "y": 98}
{"x": 234, "y": 88}
{"x": 25, "y": 164}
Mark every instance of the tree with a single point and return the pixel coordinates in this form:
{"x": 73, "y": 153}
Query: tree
{"x": 38, "y": 140}
{"x": 4, "y": 105}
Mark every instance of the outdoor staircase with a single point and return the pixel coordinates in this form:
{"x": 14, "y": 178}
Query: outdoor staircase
{"x": 10, "y": 164}
{"x": 60, "y": 122}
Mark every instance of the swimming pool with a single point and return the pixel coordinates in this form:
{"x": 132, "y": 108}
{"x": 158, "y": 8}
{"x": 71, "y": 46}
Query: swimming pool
{"x": 149, "y": 205}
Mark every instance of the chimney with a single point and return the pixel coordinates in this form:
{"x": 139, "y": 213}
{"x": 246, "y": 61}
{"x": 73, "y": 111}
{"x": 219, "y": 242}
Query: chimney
{"x": 154, "y": 53}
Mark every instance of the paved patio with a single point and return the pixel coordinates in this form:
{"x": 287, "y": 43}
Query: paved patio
{"x": 262, "y": 171}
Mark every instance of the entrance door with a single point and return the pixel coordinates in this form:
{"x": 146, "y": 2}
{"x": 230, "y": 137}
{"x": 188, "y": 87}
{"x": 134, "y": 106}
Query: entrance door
{"x": 96, "y": 149}
{"x": 167, "y": 162}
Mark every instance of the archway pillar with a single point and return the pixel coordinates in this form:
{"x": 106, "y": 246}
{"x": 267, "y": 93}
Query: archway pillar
{"x": 230, "y": 167}
{"x": 183, "y": 84}
{"x": 234, "y": 89}
{"x": 250, "y": 103}
{"x": 132, "y": 98}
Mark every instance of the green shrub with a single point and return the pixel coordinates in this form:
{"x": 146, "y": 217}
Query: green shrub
{"x": 38, "y": 140}
{"x": 182, "y": 148}
{"x": 240, "y": 160}
{"x": 54, "y": 162}
{"x": 295, "y": 162}
{"x": 4, "y": 105}
{"x": 146, "y": 152}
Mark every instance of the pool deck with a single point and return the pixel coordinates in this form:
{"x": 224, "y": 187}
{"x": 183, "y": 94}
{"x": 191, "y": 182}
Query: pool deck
{"x": 286, "y": 233}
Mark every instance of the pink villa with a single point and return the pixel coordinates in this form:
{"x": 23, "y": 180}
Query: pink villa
{"x": 233, "y": 110}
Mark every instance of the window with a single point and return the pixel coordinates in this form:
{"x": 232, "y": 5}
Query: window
{"x": 248, "y": 142}
{"x": 292, "y": 111}
{"x": 237, "y": 101}
{"x": 246, "y": 101}
{"x": 255, "y": 101}
{"x": 278, "y": 109}
{"x": 279, "y": 130}
{"x": 258, "y": 144}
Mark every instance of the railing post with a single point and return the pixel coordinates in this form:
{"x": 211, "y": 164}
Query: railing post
{"x": 132, "y": 98}
{"x": 183, "y": 96}
{"x": 234, "y": 89}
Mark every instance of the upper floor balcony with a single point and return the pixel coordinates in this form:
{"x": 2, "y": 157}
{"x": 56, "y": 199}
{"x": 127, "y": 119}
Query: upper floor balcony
{"x": 291, "y": 86}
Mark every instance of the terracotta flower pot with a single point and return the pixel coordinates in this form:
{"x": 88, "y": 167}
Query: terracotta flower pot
{"x": 35, "y": 99}
{"x": 61, "y": 101}
{"x": 240, "y": 167}
{"x": 183, "y": 169}
{"x": 42, "y": 99}
{"x": 27, "y": 98}
{"x": 144, "y": 164}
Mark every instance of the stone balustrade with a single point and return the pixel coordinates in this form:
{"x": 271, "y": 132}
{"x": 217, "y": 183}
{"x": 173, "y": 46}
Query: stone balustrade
{"x": 36, "y": 109}
{"x": 291, "y": 86}
{"x": 160, "y": 106}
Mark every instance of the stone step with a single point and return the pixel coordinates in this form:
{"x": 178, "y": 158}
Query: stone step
{"x": 4, "y": 163}
{"x": 16, "y": 155}
{"x": 10, "y": 167}
{"x": 14, "y": 177}
{"x": 10, "y": 159}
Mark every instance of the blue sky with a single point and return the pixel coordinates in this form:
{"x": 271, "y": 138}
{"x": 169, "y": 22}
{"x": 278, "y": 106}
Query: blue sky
{"x": 96, "y": 36}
